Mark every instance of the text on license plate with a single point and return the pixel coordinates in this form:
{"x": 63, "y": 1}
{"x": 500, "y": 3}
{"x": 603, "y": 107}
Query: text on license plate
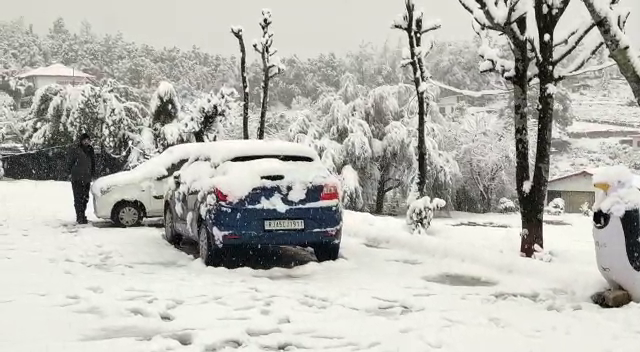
{"x": 284, "y": 224}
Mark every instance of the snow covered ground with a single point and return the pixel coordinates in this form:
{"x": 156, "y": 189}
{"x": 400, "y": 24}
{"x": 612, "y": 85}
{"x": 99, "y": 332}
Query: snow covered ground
{"x": 460, "y": 288}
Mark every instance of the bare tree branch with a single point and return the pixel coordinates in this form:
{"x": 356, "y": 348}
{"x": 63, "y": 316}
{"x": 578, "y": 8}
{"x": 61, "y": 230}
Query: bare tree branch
{"x": 571, "y": 42}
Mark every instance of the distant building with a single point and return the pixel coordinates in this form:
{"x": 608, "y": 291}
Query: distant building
{"x": 635, "y": 141}
{"x": 56, "y": 74}
{"x": 447, "y": 105}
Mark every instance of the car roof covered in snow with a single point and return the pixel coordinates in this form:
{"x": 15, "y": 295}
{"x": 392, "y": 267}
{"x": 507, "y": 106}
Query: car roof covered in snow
{"x": 216, "y": 152}
{"x": 219, "y": 152}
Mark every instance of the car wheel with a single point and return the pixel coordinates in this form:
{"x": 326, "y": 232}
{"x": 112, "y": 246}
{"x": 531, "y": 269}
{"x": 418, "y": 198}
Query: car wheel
{"x": 170, "y": 233}
{"x": 327, "y": 252}
{"x": 210, "y": 254}
{"x": 127, "y": 214}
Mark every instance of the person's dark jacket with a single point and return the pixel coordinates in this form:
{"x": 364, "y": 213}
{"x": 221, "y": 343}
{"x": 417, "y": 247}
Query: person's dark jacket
{"x": 82, "y": 163}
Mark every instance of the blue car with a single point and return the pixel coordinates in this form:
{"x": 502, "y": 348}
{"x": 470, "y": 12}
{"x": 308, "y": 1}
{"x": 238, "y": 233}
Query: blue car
{"x": 254, "y": 194}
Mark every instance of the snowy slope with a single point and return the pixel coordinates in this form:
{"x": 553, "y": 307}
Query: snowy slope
{"x": 106, "y": 289}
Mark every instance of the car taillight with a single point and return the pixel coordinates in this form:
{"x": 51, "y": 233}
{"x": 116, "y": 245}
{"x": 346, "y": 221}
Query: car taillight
{"x": 330, "y": 192}
{"x": 221, "y": 197}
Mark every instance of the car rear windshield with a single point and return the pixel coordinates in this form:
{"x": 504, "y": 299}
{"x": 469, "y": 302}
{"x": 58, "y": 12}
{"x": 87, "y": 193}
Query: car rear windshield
{"x": 286, "y": 158}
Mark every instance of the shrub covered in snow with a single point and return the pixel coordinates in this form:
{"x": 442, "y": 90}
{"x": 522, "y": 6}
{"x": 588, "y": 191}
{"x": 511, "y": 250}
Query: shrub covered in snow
{"x": 506, "y": 205}
{"x": 585, "y": 209}
{"x": 351, "y": 189}
{"x": 420, "y": 213}
{"x": 555, "y": 207}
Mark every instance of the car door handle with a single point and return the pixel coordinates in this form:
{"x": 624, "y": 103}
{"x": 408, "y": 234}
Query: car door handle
{"x": 158, "y": 197}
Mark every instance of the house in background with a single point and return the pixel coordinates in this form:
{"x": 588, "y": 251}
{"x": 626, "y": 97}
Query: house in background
{"x": 56, "y": 74}
{"x": 575, "y": 189}
{"x": 447, "y": 105}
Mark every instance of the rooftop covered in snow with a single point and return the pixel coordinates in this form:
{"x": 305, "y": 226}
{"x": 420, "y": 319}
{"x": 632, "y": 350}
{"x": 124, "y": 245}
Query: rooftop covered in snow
{"x": 55, "y": 70}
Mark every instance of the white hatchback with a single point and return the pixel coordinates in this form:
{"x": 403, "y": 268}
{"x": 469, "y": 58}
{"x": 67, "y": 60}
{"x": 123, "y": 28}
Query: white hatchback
{"x": 128, "y": 197}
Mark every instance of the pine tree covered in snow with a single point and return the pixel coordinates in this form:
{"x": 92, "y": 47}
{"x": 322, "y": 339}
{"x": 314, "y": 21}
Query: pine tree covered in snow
{"x": 59, "y": 115}
{"x": 164, "y": 105}
{"x": 88, "y": 114}
{"x": 204, "y": 115}
{"x": 164, "y": 108}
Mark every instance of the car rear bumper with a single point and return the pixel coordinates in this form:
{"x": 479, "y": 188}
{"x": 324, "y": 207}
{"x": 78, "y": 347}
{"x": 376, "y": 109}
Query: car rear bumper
{"x": 281, "y": 238}
{"x": 246, "y": 227}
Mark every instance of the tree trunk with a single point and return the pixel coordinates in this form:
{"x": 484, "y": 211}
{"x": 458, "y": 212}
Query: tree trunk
{"x": 245, "y": 88}
{"x": 265, "y": 94}
{"x": 521, "y": 134}
{"x": 199, "y": 136}
{"x": 534, "y": 213}
{"x": 620, "y": 52}
{"x": 380, "y": 195}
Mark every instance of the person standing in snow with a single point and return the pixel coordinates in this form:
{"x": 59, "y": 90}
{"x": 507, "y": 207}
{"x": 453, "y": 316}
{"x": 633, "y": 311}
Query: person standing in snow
{"x": 82, "y": 168}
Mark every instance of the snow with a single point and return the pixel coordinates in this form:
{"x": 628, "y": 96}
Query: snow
{"x": 216, "y": 152}
{"x": 99, "y": 288}
{"x": 623, "y": 193}
{"x": 237, "y": 179}
{"x": 237, "y": 30}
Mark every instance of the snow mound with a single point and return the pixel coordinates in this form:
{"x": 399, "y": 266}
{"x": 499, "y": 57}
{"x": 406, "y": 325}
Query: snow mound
{"x": 621, "y": 191}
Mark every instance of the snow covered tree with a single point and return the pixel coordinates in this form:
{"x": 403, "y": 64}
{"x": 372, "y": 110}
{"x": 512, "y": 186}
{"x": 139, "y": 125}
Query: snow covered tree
{"x": 164, "y": 109}
{"x": 237, "y": 32}
{"x": 395, "y": 163}
{"x": 530, "y": 29}
{"x": 271, "y": 65}
{"x": 88, "y": 114}
{"x": 351, "y": 189}
{"x": 411, "y": 22}
{"x": 205, "y": 114}
{"x": 164, "y": 106}
{"x": 44, "y": 123}
{"x": 485, "y": 158}
{"x": 610, "y": 21}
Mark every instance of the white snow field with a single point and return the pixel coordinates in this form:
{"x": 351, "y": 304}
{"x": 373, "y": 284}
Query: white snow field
{"x": 458, "y": 288}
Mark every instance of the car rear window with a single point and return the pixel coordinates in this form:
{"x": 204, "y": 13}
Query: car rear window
{"x": 286, "y": 158}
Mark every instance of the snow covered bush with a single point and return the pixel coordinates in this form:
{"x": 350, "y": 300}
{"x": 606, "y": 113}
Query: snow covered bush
{"x": 585, "y": 209}
{"x": 420, "y": 213}
{"x": 351, "y": 189}
{"x": 555, "y": 207}
{"x": 506, "y": 206}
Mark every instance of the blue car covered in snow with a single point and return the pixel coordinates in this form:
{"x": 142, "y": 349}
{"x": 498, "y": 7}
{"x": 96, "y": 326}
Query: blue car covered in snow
{"x": 254, "y": 194}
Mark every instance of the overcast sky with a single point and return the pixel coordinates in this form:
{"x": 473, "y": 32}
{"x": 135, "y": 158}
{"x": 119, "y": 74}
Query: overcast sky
{"x": 303, "y": 27}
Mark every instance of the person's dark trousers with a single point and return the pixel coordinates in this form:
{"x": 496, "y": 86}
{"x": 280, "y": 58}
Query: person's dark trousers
{"x": 80, "y": 199}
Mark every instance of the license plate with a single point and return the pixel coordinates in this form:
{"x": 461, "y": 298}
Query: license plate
{"x": 272, "y": 225}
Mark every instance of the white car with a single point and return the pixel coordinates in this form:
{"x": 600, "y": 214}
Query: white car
{"x": 128, "y": 197}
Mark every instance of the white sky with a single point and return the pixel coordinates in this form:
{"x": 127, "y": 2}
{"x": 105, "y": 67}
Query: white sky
{"x": 303, "y": 27}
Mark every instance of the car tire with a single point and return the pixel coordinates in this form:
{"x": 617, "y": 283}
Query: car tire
{"x": 326, "y": 252}
{"x": 170, "y": 234}
{"x": 127, "y": 214}
{"x": 210, "y": 254}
